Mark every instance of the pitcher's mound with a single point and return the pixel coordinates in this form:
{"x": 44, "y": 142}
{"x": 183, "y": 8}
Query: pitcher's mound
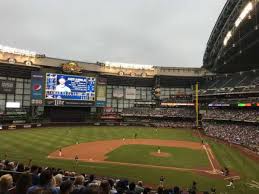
{"x": 161, "y": 154}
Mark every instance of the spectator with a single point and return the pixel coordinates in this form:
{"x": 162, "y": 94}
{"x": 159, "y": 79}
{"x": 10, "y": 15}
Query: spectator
{"x": 35, "y": 176}
{"x": 23, "y": 183}
{"x": 58, "y": 180}
{"x": 139, "y": 188}
{"x": 46, "y": 179}
{"x": 6, "y": 183}
{"x": 66, "y": 187}
{"x": 79, "y": 184}
{"x": 105, "y": 187}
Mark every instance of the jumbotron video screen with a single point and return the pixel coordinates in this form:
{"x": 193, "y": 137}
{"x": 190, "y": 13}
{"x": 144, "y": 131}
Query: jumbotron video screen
{"x": 69, "y": 87}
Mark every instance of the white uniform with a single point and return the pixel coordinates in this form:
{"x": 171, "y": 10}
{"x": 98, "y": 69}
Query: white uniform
{"x": 62, "y": 88}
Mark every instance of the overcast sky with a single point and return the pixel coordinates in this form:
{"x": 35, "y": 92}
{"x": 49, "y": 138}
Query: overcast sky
{"x": 155, "y": 32}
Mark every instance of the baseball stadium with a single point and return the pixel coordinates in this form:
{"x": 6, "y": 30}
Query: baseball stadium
{"x": 133, "y": 128}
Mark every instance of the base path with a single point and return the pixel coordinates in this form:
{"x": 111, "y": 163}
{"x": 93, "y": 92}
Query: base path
{"x": 97, "y": 151}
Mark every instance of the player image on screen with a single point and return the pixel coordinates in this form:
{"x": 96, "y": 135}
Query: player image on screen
{"x": 61, "y": 87}
{"x": 69, "y": 87}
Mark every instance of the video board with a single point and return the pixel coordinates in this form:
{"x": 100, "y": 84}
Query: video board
{"x": 69, "y": 87}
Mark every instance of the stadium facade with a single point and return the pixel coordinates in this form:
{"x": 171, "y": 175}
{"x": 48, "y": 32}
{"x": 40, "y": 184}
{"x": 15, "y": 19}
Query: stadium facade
{"x": 24, "y": 83}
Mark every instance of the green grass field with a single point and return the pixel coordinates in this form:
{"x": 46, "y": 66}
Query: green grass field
{"x": 21, "y": 145}
{"x": 140, "y": 154}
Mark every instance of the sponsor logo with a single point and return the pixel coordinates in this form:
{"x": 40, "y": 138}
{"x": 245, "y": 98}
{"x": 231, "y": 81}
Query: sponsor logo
{"x": 37, "y": 87}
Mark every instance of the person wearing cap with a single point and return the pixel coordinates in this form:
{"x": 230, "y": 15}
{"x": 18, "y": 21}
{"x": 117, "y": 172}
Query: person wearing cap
{"x": 61, "y": 87}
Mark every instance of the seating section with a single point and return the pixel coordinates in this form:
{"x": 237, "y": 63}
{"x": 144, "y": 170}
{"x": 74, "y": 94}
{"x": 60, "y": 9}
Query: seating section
{"x": 251, "y": 115}
{"x": 159, "y": 112}
{"x": 239, "y": 82}
{"x": 241, "y": 134}
{"x": 16, "y": 178}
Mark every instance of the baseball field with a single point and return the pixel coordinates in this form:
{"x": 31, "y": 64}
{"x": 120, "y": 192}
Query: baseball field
{"x": 136, "y": 153}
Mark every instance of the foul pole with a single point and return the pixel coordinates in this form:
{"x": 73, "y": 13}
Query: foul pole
{"x": 197, "y": 103}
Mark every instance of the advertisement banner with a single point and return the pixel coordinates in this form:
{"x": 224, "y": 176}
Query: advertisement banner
{"x": 102, "y": 81}
{"x": 118, "y": 93}
{"x": 130, "y": 93}
{"x": 7, "y": 87}
{"x": 101, "y": 93}
{"x": 37, "y": 88}
{"x": 100, "y": 103}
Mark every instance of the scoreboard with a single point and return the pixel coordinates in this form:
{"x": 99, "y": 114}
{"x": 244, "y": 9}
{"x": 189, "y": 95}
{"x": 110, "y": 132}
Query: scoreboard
{"x": 69, "y": 87}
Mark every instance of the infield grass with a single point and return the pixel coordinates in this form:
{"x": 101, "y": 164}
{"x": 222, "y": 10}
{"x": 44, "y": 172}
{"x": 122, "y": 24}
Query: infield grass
{"x": 179, "y": 157}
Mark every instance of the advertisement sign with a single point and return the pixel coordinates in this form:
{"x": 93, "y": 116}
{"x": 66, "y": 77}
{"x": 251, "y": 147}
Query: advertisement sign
{"x": 101, "y": 93}
{"x": 37, "y": 88}
{"x": 69, "y": 87}
{"x": 13, "y": 105}
{"x": 118, "y": 93}
{"x": 69, "y": 103}
{"x": 7, "y": 87}
{"x": 100, "y": 103}
{"x": 130, "y": 93}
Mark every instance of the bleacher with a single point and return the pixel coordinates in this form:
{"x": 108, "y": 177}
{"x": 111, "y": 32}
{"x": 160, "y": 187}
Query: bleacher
{"x": 240, "y": 82}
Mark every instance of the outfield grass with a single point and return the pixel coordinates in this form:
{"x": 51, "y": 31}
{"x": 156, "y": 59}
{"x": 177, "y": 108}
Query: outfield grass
{"x": 140, "y": 154}
{"x": 21, "y": 145}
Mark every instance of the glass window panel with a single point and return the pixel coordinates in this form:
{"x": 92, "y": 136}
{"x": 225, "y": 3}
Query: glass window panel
{"x": 2, "y": 96}
{"x": 3, "y": 78}
{"x": 19, "y": 80}
{"x": 19, "y": 85}
{"x": 27, "y": 85}
{"x": 27, "y": 97}
{"x": 18, "y": 91}
{"x": 10, "y": 97}
{"x": 26, "y": 103}
{"x": 27, "y": 91}
{"x": 18, "y": 97}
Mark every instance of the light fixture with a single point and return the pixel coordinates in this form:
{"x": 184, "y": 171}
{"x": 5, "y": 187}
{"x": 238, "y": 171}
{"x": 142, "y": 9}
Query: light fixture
{"x": 12, "y": 60}
{"x": 121, "y": 73}
{"x": 28, "y": 63}
{"x": 248, "y": 8}
{"x": 226, "y": 39}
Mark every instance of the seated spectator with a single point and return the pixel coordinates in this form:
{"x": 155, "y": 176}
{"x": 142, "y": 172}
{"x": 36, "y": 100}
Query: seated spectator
{"x": 139, "y": 188}
{"x": 104, "y": 187}
{"x": 6, "y": 183}
{"x": 46, "y": 179}
{"x": 66, "y": 187}
{"x": 79, "y": 184}
{"x": 22, "y": 185}
{"x": 90, "y": 180}
{"x": 35, "y": 176}
{"x": 58, "y": 180}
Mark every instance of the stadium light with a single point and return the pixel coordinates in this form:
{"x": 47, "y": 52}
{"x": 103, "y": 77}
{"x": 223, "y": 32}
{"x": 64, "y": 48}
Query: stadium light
{"x": 7, "y": 49}
{"x": 128, "y": 66}
{"x": 248, "y": 8}
{"x": 226, "y": 39}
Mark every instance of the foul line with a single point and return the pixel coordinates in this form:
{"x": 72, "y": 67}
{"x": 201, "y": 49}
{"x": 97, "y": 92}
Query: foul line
{"x": 211, "y": 163}
{"x": 137, "y": 165}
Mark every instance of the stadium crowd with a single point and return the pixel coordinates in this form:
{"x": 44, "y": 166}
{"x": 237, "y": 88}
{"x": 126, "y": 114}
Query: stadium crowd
{"x": 174, "y": 124}
{"x": 229, "y": 114}
{"x": 244, "y": 135}
{"x": 16, "y": 178}
{"x": 159, "y": 112}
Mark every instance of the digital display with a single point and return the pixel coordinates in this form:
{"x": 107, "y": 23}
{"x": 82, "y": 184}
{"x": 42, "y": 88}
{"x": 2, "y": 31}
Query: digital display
{"x": 69, "y": 87}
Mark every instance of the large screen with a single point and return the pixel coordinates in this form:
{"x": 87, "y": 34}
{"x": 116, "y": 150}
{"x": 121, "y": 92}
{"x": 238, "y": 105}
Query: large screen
{"x": 69, "y": 87}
